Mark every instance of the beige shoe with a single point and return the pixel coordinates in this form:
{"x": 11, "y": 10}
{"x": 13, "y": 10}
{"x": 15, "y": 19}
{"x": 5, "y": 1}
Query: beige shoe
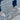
{"x": 2, "y": 14}
{"x": 14, "y": 7}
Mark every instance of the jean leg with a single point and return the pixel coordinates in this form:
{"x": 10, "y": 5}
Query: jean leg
{"x": 0, "y": 8}
{"x": 0, "y": 3}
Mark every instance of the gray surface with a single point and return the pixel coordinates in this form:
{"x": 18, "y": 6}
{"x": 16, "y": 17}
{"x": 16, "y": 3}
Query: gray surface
{"x": 7, "y": 7}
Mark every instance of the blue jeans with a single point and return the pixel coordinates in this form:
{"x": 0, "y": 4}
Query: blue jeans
{"x": 0, "y": 8}
{"x": 14, "y": 3}
{"x": 0, "y": 3}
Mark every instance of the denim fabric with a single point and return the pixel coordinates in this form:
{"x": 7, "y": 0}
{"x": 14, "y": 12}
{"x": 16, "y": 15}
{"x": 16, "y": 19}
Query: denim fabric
{"x": 0, "y": 0}
{"x": 0, "y": 8}
{"x": 0, "y": 3}
{"x": 14, "y": 3}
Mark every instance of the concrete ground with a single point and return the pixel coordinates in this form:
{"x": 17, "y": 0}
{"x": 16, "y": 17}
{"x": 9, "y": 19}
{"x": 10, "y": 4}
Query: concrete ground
{"x": 8, "y": 9}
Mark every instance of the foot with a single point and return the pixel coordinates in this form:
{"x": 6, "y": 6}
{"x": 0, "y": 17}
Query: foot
{"x": 2, "y": 14}
{"x": 14, "y": 7}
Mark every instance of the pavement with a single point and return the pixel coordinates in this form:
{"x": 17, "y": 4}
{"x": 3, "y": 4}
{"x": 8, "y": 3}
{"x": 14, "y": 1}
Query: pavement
{"x": 7, "y": 8}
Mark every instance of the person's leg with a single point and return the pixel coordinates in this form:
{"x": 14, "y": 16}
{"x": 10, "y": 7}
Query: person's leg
{"x": 0, "y": 8}
{"x": 0, "y": 3}
{"x": 14, "y": 3}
